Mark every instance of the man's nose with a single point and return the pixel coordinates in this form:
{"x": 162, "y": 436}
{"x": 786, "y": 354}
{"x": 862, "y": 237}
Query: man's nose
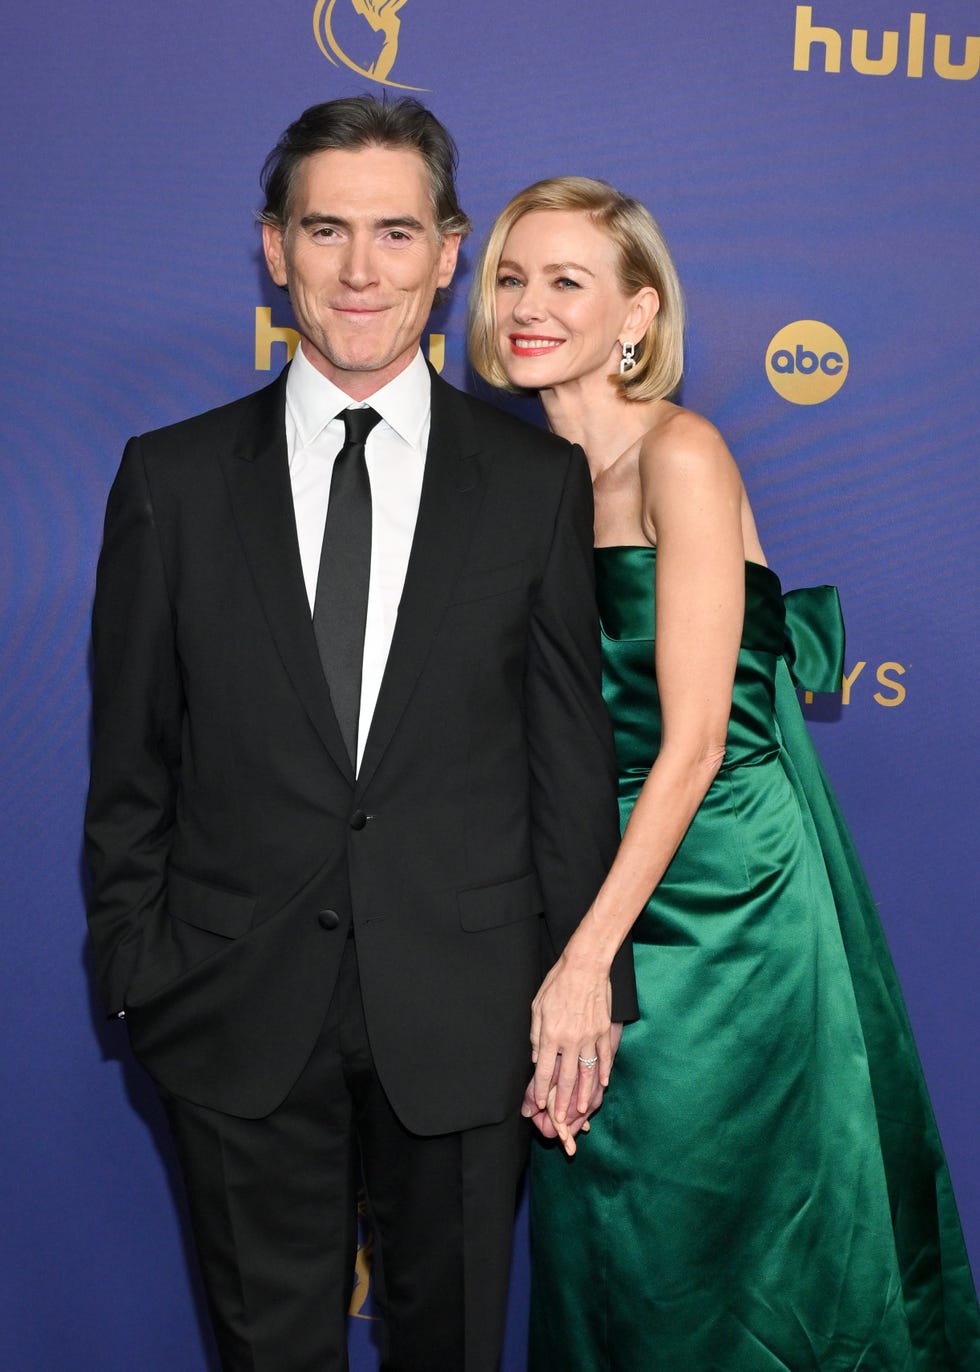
{"x": 358, "y": 268}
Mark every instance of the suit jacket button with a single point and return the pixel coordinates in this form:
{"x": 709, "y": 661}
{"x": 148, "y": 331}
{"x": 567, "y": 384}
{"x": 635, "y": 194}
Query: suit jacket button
{"x": 329, "y": 919}
{"x": 358, "y": 819}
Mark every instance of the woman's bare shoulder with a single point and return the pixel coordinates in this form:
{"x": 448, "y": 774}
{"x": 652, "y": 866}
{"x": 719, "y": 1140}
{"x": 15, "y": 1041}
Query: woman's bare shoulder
{"x": 683, "y": 443}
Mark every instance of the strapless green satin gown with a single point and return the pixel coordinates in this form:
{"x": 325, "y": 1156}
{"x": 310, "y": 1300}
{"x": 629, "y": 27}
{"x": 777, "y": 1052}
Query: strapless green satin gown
{"x": 764, "y": 1187}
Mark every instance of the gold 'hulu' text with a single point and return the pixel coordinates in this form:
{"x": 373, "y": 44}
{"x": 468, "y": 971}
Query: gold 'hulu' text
{"x": 887, "y": 51}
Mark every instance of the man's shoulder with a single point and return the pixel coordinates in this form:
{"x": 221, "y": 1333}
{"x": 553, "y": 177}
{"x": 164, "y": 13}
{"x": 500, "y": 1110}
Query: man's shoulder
{"x": 502, "y": 431}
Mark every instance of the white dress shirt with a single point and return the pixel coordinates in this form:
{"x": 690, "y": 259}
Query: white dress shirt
{"x": 395, "y": 454}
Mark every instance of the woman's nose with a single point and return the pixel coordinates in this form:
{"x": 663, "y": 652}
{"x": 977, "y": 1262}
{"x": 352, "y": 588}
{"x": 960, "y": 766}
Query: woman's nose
{"x": 528, "y": 306}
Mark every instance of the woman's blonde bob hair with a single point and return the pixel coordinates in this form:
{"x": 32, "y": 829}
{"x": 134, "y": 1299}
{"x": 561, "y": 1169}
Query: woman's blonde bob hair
{"x": 644, "y": 260}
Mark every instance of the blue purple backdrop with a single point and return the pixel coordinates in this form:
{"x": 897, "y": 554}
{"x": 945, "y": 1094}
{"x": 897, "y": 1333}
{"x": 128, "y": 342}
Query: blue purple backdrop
{"x": 810, "y": 165}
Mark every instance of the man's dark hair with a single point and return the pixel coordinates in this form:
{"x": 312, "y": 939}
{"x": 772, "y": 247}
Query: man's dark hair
{"x": 363, "y": 121}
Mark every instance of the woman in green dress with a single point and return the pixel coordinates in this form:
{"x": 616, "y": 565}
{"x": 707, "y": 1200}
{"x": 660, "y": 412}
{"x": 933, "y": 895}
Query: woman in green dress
{"x": 764, "y": 1187}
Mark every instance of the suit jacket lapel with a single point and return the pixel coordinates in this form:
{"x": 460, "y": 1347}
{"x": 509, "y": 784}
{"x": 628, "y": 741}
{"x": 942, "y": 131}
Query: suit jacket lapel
{"x": 452, "y": 490}
{"x": 257, "y": 473}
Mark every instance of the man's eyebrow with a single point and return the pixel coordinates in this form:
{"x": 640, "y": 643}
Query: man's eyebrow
{"x": 400, "y": 221}
{"x": 309, "y": 220}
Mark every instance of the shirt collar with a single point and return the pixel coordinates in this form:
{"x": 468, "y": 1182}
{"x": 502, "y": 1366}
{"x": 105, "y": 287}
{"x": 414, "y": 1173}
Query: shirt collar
{"x": 314, "y": 400}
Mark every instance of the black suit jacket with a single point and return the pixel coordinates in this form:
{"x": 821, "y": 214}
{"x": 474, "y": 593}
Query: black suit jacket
{"x": 230, "y": 844}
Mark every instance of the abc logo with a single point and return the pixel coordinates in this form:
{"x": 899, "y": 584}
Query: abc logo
{"x": 806, "y": 362}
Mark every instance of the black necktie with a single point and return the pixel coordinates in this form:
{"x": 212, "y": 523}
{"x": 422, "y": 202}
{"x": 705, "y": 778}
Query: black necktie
{"x": 340, "y": 607}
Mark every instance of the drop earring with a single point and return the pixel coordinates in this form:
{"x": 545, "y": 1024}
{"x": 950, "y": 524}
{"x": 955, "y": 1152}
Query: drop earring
{"x": 629, "y": 357}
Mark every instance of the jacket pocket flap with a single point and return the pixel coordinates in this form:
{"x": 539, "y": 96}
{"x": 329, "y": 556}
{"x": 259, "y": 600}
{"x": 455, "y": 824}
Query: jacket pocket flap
{"x": 505, "y": 902}
{"x": 478, "y": 585}
{"x": 227, "y": 913}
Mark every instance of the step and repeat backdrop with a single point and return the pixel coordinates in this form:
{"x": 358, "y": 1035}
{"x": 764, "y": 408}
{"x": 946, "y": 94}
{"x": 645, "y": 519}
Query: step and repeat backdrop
{"x": 816, "y": 170}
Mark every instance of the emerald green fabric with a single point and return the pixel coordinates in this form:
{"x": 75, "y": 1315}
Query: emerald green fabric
{"x": 764, "y": 1187}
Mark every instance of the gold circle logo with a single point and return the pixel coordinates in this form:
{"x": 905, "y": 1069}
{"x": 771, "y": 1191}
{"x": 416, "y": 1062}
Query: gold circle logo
{"x": 807, "y": 362}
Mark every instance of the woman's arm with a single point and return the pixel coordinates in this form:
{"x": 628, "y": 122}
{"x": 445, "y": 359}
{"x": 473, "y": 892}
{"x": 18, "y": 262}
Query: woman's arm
{"x": 692, "y": 497}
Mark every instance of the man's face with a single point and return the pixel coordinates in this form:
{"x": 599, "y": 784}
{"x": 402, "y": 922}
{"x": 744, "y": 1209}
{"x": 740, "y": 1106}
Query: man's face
{"x": 362, "y": 259}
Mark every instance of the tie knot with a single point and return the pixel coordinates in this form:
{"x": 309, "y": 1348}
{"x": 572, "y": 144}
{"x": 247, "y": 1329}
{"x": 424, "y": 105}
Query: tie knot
{"x": 358, "y": 424}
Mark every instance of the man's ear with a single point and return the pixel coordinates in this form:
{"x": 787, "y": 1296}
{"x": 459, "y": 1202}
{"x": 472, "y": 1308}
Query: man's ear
{"x": 274, "y": 247}
{"x": 448, "y": 253}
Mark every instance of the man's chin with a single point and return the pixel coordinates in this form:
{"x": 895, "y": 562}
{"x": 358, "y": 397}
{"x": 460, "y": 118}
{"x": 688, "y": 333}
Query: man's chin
{"x": 354, "y": 369}
{"x": 336, "y": 362}
{"x": 359, "y": 356}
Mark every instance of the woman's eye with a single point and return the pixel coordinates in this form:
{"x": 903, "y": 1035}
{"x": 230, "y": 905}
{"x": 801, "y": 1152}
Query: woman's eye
{"x": 565, "y": 282}
{"x": 508, "y": 281}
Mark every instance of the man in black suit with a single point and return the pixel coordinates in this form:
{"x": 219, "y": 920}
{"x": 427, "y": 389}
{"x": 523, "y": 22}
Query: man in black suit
{"x": 352, "y": 786}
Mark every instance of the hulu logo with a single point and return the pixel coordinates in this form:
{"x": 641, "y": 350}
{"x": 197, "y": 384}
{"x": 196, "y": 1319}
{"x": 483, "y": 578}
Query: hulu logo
{"x": 882, "y": 58}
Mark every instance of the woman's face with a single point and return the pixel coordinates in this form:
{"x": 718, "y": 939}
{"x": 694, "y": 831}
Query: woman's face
{"x": 560, "y": 309}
